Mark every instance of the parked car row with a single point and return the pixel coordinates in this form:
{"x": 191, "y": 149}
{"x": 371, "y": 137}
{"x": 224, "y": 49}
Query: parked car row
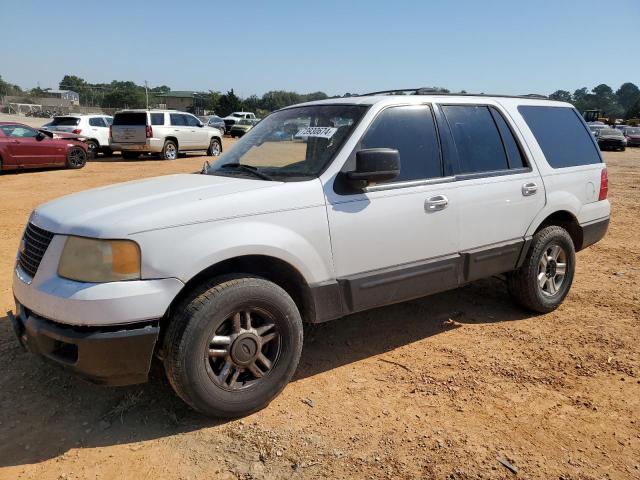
{"x": 616, "y": 137}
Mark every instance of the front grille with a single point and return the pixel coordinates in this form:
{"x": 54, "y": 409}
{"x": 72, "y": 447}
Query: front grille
{"x": 35, "y": 244}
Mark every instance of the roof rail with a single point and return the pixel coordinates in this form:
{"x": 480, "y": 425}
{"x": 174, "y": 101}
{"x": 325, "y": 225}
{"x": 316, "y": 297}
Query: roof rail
{"x": 433, "y": 91}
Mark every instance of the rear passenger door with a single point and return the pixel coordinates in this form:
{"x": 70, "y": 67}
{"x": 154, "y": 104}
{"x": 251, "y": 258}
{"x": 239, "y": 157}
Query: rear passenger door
{"x": 399, "y": 239}
{"x": 500, "y": 191}
{"x": 99, "y": 130}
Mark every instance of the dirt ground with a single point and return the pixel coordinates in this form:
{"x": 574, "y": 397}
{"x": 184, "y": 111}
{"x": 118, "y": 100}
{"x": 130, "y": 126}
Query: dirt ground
{"x": 440, "y": 387}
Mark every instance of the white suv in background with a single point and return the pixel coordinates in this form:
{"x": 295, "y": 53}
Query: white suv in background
{"x": 321, "y": 210}
{"x": 94, "y": 127}
{"x": 166, "y": 132}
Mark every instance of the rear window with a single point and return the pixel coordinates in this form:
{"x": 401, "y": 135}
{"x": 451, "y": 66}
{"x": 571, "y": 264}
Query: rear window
{"x": 562, "y": 135}
{"x": 65, "y": 122}
{"x": 130, "y": 118}
{"x": 157, "y": 119}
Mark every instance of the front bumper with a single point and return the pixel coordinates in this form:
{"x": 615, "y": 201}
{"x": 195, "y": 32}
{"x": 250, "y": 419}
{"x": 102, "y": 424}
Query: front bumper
{"x": 117, "y": 355}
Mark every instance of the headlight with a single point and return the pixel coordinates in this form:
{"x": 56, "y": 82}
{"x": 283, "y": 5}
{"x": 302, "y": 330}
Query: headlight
{"x": 99, "y": 261}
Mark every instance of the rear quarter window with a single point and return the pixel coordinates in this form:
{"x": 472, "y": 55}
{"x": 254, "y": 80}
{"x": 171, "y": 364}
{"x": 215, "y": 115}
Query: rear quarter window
{"x": 562, "y": 135}
{"x": 130, "y": 118}
{"x": 157, "y": 119}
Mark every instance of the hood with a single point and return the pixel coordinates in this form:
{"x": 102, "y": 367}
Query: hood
{"x": 124, "y": 209}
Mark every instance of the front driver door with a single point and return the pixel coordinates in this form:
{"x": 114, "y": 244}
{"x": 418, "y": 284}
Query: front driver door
{"x": 396, "y": 240}
{"x": 27, "y": 149}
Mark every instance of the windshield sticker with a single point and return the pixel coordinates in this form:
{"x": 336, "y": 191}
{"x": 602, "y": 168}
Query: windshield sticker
{"x": 320, "y": 132}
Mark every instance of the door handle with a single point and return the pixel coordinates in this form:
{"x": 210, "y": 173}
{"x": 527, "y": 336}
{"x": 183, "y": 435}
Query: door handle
{"x": 529, "y": 189}
{"x": 433, "y": 204}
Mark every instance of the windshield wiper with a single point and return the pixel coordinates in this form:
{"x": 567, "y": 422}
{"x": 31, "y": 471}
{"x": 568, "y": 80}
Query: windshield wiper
{"x": 247, "y": 168}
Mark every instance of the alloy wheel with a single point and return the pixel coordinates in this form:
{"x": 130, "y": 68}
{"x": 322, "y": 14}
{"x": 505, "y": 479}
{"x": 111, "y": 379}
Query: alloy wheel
{"x": 243, "y": 350}
{"x": 552, "y": 270}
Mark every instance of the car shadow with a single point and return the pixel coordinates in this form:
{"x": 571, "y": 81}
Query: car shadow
{"x": 44, "y": 411}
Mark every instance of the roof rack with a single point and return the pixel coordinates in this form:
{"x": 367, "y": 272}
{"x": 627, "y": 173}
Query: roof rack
{"x": 433, "y": 91}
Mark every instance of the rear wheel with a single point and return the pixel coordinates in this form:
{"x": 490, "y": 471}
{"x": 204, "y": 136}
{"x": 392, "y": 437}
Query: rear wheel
{"x": 92, "y": 148}
{"x": 169, "y": 150}
{"x": 107, "y": 152}
{"x": 214, "y": 148}
{"x": 233, "y": 346}
{"x": 545, "y": 277}
{"x": 130, "y": 155}
{"x": 76, "y": 157}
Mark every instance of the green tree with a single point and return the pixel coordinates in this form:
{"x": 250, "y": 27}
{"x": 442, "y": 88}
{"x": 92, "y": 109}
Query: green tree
{"x": 229, "y": 103}
{"x": 124, "y": 95}
{"x": 628, "y": 95}
{"x": 561, "y": 95}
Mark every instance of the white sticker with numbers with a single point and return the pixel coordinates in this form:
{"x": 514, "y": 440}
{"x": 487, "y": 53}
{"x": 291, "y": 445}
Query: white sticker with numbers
{"x": 320, "y": 132}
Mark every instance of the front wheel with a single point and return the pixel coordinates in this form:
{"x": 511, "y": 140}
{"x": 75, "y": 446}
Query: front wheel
{"x": 76, "y": 157}
{"x": 233, "y": 346}
{"x": 545, "y": 277}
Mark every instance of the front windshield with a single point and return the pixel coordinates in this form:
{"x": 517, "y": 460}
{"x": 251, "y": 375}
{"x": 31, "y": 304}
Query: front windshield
{"x": 292, "y": 144}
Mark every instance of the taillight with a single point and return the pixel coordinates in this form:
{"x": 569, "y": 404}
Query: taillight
{"x": 77, "y": 131}
{"x": 604, "y": 184}
{"x": 149, "y": 131}
{"x": 111, "y": 132}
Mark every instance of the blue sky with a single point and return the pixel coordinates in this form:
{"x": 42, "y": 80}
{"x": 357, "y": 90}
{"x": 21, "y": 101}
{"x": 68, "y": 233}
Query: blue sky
{"x": 492, "y": 46}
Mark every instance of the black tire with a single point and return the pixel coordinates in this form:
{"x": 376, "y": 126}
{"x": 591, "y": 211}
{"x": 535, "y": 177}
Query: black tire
{"x": 76, "y": 157}
{"x": 623, "y": 149}
{"x": 107, "y": 152}
{"x": 524, "y": 283}
{"x": 215, "y": 148}
{"x": 92, "y": 148}
{"x": 130, "y": 155}
{"x": 199, "y": 378}
{"x": 169, "y": 150}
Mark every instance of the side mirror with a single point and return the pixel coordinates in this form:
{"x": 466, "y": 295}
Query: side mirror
{"x": 40, "y": 136}
{"x": 375, "y": 165}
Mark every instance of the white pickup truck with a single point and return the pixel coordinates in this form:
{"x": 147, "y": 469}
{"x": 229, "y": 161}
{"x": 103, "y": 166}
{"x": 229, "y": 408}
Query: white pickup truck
{"x": 321, "y": 210}
{"x": 231, "y": 120}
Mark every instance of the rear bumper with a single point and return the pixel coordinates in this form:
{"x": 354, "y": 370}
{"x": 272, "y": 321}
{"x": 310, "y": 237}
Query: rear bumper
{"x": 593, "y": 232}
{"x": 120, "y": 355}
{"x": 153, "y": 145}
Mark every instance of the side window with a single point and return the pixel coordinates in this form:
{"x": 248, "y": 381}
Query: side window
{"x": 177, "y": 120}
{"x": 96, "y": 122}
{"x": 412, "y": 132}
{"x": 516, "y": 157}
{"x": 158, "y": 119}
{"x": 192, "y": 121}
{"x": 18, "y": 131}
{"x": 476, "y": 138}
{"x": 562, "y": 135}
{"x": 108, "y": 121}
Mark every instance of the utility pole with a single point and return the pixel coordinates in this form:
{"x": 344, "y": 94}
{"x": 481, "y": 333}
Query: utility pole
{"x": 146, "y": 92}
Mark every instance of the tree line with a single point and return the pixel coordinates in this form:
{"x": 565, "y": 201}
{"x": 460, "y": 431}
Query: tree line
{"x": 622, "y": 103}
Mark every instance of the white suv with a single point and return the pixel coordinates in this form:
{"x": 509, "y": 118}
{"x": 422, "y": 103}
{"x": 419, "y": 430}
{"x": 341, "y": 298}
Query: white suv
{"x": 94, "y": 127}
{"x": 321, "y": 210}
{"x": 166, "y": 132}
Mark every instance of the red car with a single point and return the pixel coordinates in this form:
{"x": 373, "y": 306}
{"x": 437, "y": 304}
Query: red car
{"x": 24, "y": 147}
